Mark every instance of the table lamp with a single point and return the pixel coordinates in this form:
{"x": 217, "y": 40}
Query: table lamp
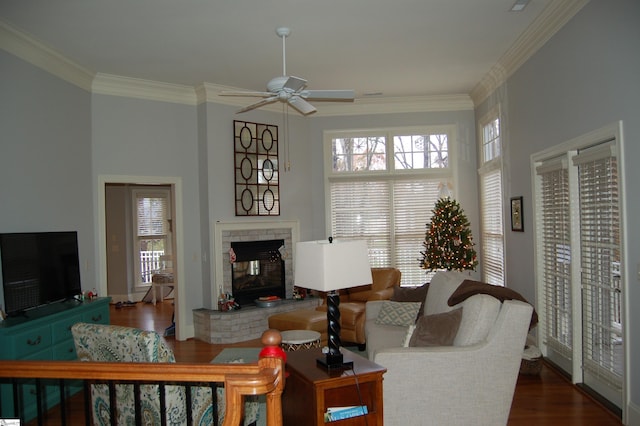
{"x": 328, "y": 266}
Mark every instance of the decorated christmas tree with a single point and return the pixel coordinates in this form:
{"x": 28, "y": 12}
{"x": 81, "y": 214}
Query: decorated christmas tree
{"x": 448, "y": 242}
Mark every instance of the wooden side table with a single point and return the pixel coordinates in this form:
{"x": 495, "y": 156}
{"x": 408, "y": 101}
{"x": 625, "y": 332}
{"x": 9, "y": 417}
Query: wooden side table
{"x": 310, "y": 389}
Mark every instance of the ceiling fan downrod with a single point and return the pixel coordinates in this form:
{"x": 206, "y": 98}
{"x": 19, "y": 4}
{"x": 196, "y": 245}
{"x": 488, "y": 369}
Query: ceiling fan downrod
{"x": 283, "y": 32}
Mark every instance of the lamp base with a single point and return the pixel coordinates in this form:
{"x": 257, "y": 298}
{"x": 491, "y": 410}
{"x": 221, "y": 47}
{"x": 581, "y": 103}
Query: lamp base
{"x": 334, "y": 362}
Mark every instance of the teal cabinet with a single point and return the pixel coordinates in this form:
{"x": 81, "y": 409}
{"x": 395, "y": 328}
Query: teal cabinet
{"x": 45, "y": 334}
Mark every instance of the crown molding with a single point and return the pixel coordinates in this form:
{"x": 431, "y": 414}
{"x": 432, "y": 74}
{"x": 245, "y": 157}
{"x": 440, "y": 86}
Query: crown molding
{"x": 115, "y": 85}
{"x": 209, "y": 92}
{"x": 27, "y": 48}
{"x": 398, "y": 105}
{"x": 554, "y": 16}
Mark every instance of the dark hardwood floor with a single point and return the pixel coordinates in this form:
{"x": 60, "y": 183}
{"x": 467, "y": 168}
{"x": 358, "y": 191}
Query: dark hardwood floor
{"x": 547, "y": 399}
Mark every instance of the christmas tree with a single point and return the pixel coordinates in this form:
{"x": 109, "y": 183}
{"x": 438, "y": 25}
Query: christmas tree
{"x": 448, "y": 242}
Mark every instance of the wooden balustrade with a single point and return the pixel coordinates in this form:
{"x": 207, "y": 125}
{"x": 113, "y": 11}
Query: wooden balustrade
{"x": 265, "y": 377}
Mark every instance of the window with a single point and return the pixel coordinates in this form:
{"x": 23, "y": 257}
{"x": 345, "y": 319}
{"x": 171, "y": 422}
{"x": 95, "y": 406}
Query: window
{"x": 491, "y": 196}
{"x": 152, "y": 231}
{"x": 387, "y": 199}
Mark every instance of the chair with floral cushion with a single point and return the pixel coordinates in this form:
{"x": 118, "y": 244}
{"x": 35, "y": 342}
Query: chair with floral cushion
{"x": 111, "y": 343}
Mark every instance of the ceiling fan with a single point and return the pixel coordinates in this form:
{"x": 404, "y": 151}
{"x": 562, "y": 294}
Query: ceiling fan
{"x": 291, "y": 90}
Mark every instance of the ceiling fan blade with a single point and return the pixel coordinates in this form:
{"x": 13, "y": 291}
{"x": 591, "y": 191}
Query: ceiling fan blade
{"x": 329, "y": 95}
{"x": 301, "y": 105}
{"x": 263, "y": 102}
{"x": 245, "y": 93}
{"x": 295, "y": 83}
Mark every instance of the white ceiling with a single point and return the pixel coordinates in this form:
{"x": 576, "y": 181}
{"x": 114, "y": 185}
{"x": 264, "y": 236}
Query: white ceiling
{"x": 396, "y": 48}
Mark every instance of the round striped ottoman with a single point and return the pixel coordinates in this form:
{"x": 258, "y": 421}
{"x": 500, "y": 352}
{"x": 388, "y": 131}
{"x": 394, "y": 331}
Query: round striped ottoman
{"x": 293, "y": 340}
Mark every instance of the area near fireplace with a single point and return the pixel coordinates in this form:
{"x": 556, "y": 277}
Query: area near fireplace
{"x": 226, "y": 233}
{"x": 214, "y": 326}
{"x": 257, "y": 270}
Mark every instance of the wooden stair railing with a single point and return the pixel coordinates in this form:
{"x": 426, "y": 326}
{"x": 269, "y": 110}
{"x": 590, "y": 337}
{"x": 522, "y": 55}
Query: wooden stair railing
{"x": 265, "y": 377}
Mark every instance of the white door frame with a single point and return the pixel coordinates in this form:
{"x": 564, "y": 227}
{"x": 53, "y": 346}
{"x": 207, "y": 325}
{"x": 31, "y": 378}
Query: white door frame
{"x": 101, "y": 238}
{"x": 613, "y": 130}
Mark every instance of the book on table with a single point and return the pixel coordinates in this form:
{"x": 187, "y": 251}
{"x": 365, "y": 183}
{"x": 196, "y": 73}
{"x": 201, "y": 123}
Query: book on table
{"x": 339, "y": 413}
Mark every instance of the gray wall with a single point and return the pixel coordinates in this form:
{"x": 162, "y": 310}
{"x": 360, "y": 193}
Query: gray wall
{"x": 45, "y": 157}
{"x": 133, "y": 137}
{"x": 220, "y": 171}
{"x": 585, "y": 77}
{"x": 117, "y": 215}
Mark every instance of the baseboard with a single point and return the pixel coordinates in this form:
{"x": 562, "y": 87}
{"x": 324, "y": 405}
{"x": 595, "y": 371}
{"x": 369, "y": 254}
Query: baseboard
{"x": 115, "y": 298}
{"x": 186, "y": 332}
{"x": 633, "y": 414}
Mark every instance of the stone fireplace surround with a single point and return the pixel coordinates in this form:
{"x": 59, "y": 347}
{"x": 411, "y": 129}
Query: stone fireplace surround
{"x": 214, "y": 326}
{"x": 227, "y": 232}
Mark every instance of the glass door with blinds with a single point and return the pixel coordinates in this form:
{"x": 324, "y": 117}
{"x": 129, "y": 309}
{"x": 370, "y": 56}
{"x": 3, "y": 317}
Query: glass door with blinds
{"x": 578, "y": 238}
{"x": 600, "y": 247}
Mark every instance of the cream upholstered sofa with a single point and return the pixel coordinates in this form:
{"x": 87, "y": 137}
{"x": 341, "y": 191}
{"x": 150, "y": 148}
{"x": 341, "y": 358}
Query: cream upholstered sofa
{"x": 471, "y": 381}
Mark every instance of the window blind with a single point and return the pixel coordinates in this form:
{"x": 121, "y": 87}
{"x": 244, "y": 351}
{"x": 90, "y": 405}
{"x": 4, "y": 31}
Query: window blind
{"x": 600, "y": 247}
{"x": 413, "y": 202}
{"x": 492, "y": 259}
{"x": 391, "y": 215}
{"x": 555, "y": 239}
{"x": 151, "y": 216}
{"x": 152, "y": 228}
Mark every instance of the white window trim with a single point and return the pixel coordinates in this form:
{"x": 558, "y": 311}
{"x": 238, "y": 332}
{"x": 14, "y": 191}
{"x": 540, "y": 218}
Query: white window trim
{"x": 447, "y": 175}
{"x": 389, "y": 132}
{"x": 137, "y": 192}
{"x": 487, "y": 167}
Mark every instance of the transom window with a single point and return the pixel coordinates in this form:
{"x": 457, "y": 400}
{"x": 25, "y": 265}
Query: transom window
{"x": 359, "y": 154}
{"x": 410, "y": 151}
{"x": 491, "y": 140}
{"x": 421, "y": 151}
{"x": 387, "y": 199}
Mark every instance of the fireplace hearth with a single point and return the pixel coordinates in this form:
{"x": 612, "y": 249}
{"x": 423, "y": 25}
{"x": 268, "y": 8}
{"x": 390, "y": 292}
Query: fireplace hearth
{"x": 258, "y": 271}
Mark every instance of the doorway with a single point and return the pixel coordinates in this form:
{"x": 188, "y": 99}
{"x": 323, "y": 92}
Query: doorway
{"x": 122, "y": 245}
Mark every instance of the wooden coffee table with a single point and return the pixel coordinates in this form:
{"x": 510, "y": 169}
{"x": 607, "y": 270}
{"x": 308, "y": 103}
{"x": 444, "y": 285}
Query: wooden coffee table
{"x": 310, "y": 389}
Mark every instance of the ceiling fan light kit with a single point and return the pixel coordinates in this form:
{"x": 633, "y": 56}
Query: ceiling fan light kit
{"x": 291, "y": 90}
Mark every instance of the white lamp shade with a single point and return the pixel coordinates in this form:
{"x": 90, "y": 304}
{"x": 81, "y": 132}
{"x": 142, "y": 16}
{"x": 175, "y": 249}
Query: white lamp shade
{"x": 324, "y": 266}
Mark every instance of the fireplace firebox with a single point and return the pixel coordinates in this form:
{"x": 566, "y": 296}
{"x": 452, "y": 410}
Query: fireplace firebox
{"x": 258, "y": 271}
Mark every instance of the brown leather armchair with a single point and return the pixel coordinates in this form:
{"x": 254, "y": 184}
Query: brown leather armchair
{"x": 353, "y": 301}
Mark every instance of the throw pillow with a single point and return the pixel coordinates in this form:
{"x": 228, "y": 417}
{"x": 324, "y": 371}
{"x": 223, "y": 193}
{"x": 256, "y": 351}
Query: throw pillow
{"x": 411, "y": 294}
{"x": 398, "y": 313}
{"x": 436, "y": 330}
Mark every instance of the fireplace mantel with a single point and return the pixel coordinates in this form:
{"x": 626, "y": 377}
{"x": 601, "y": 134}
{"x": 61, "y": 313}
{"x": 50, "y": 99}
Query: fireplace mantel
{"x": 224, "y": 232}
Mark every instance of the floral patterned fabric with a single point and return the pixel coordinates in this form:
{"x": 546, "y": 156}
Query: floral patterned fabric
{"x": 111, "y": 343}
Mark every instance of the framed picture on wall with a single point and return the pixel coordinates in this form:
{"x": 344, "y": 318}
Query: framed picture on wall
{"x": 516, "y": 214}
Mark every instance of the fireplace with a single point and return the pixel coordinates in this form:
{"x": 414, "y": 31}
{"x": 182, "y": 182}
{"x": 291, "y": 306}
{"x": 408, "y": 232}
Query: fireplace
{"x": 226, "y": 233}
{"x": 258, "y": 270}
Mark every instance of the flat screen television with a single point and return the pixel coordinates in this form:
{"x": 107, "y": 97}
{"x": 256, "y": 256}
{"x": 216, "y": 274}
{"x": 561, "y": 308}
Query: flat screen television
{"x": 38, "y": 268}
